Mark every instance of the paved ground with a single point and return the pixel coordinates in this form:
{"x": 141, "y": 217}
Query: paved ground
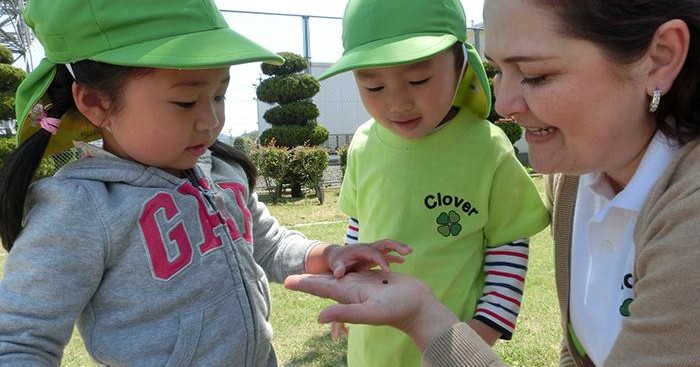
{"x": 332, "y": 176}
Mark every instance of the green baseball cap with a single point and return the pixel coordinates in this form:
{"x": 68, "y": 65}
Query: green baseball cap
{"x": 381, "y": 33}
{"x": 174, "y": 34}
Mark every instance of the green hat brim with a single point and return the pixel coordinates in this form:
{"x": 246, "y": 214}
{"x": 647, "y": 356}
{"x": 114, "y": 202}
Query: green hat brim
{"x": 175, "y": 52}
{"x": 390, "y": 52}
{"x": 200, "y": 50}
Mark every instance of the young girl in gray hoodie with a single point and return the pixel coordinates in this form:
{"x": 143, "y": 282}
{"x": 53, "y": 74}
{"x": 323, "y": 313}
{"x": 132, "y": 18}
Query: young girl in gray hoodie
{"x": 155, "y": 242}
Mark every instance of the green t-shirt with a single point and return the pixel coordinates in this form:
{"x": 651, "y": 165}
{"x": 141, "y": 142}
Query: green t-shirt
{"x": 448, "y": 195}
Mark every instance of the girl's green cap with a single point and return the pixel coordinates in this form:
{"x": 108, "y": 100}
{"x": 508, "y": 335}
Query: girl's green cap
{"x": 176, "y": 34}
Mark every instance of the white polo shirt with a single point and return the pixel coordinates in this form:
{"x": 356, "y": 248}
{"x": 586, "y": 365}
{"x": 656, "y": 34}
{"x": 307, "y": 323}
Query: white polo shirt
{"x": 602, "y": 253}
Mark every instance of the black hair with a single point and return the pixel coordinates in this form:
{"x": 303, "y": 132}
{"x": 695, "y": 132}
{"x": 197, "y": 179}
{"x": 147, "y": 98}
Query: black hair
{"x": 229, "y": 153}
{"x": 624, "y": 30}
{"x": 20, "y": 166}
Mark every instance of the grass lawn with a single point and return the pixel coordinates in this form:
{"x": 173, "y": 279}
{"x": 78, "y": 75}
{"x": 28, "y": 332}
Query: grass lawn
{"x": 300, "y": 341}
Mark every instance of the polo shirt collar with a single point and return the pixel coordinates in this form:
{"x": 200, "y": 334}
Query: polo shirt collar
{"x": 658, "y": 155}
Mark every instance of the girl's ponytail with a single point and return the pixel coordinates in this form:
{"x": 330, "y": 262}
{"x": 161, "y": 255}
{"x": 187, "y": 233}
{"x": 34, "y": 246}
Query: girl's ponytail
{"x": 227, "y": 152}
{"x": 20, "y": 166}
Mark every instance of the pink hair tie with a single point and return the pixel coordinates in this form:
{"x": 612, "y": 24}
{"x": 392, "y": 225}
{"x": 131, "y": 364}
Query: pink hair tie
{"x": 49, "y": 124}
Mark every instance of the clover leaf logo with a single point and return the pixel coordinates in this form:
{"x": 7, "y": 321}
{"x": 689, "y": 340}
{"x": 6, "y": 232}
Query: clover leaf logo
{"x": 625, "y": 307}
{"x": 449, "y": 224}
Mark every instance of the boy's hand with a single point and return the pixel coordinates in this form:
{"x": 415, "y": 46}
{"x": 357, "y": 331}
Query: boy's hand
{"x": 338, "y": 329}
{"x": 343, "y": 259}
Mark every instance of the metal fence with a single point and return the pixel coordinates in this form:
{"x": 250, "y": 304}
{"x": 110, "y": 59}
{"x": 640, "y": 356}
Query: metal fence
{"x": 337, "y": 140}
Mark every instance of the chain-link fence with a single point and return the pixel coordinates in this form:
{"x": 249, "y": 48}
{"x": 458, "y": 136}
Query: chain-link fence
{"x": 337, "y": 140}
{"x": 65, "y": 157}
{"x": 332, "y": 176}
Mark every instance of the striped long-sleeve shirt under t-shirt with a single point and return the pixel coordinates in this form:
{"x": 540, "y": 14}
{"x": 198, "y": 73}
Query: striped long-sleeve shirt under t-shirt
{"x": 505, "y": 268}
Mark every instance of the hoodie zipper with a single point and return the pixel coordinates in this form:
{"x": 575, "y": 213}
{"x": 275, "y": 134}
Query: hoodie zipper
{"x": 209, "y": 196}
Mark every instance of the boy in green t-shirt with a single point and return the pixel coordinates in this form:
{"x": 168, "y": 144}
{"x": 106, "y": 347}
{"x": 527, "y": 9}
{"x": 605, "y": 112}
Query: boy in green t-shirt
{"x": 429, "y": 170}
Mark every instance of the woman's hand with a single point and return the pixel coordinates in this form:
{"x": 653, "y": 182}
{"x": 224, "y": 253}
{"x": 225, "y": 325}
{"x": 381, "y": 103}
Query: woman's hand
{"x": 379, "y": 298}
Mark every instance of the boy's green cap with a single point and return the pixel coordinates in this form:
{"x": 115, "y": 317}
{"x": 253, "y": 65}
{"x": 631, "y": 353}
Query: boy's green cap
{"x": 380, "y": 33}
{"x": 177, "y": 34}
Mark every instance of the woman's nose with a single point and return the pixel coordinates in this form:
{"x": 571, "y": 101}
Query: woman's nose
{"x": 509, "y": 98}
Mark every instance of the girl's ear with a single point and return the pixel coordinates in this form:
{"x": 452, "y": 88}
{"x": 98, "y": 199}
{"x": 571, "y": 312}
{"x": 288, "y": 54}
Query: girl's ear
{"x": 668, "y": 52}
{"x": 92, "y": 104}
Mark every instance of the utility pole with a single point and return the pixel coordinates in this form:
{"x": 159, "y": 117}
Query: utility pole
{"x": 14, "y": 33}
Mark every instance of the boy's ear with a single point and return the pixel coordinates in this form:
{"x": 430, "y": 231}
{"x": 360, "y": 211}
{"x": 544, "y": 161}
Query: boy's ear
{"x": 668, "y": 52}
{"x": 92, "y": 104}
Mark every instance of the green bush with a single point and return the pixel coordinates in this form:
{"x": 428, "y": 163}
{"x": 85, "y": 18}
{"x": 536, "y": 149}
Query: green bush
{"x": 6, "y": 56}
{"x": 7, "y": 106}
{"x": 512, "y": 130}
{"x": 292, "y": 113}
{"x": 10, "y": 77}
{"x": 293, "y": 135}
{"x": 493, "y": 115}
{"x": 280, "y": 166}
{"x": 47, "y": 167}
{"x": 244, "y": 144}
{"x": 490, "y": 70}
{"x": 271, "y": 162}
{"x": 287, "y": 88}
{"x": 308, "y": 163}
{"x": 343, "y": 157}
{"x": 293, "y": 63}
{"x": 294, "y": 119}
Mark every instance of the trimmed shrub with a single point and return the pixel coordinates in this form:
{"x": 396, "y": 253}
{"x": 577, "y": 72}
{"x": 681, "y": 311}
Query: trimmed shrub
{"x": 287, "y": 88}
{"x": 244, "y": 144}
{"x": 294, "y": 119}
{"x": 271, "y": 162}
{"x": 490, "y": 70}
{"x": 343, "y": 157}
{"x": 306, "y": 166}
{"x": 47, "y": 167}
{"x": 293, "y": 63}
{"x": 7, "y": 106}
{"x": 6, "y": 56}
{"x": 308, "y": 163}
{"x": 280, "y": 166}
{"x": 293, "y": 135}
{"x": 10, "y": 77}
{"x": 512, "y": 130}
{"x": 292, "y": 113}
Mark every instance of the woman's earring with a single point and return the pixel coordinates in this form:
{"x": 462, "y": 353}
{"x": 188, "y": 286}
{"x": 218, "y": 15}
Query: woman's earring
{"x": 655, "y": 100}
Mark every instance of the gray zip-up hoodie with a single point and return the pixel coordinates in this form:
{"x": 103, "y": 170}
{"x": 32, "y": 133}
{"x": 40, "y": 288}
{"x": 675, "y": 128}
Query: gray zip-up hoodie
{"x": 157, "y": 270}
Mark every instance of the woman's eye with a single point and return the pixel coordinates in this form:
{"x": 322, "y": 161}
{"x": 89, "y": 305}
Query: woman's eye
{"x": 419, "y": 82}
{"x": 220, "y": 98}
{"x": 374, "y": 89}
{"x": 534, "y": 81}
{"x": 184, "y": 104}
